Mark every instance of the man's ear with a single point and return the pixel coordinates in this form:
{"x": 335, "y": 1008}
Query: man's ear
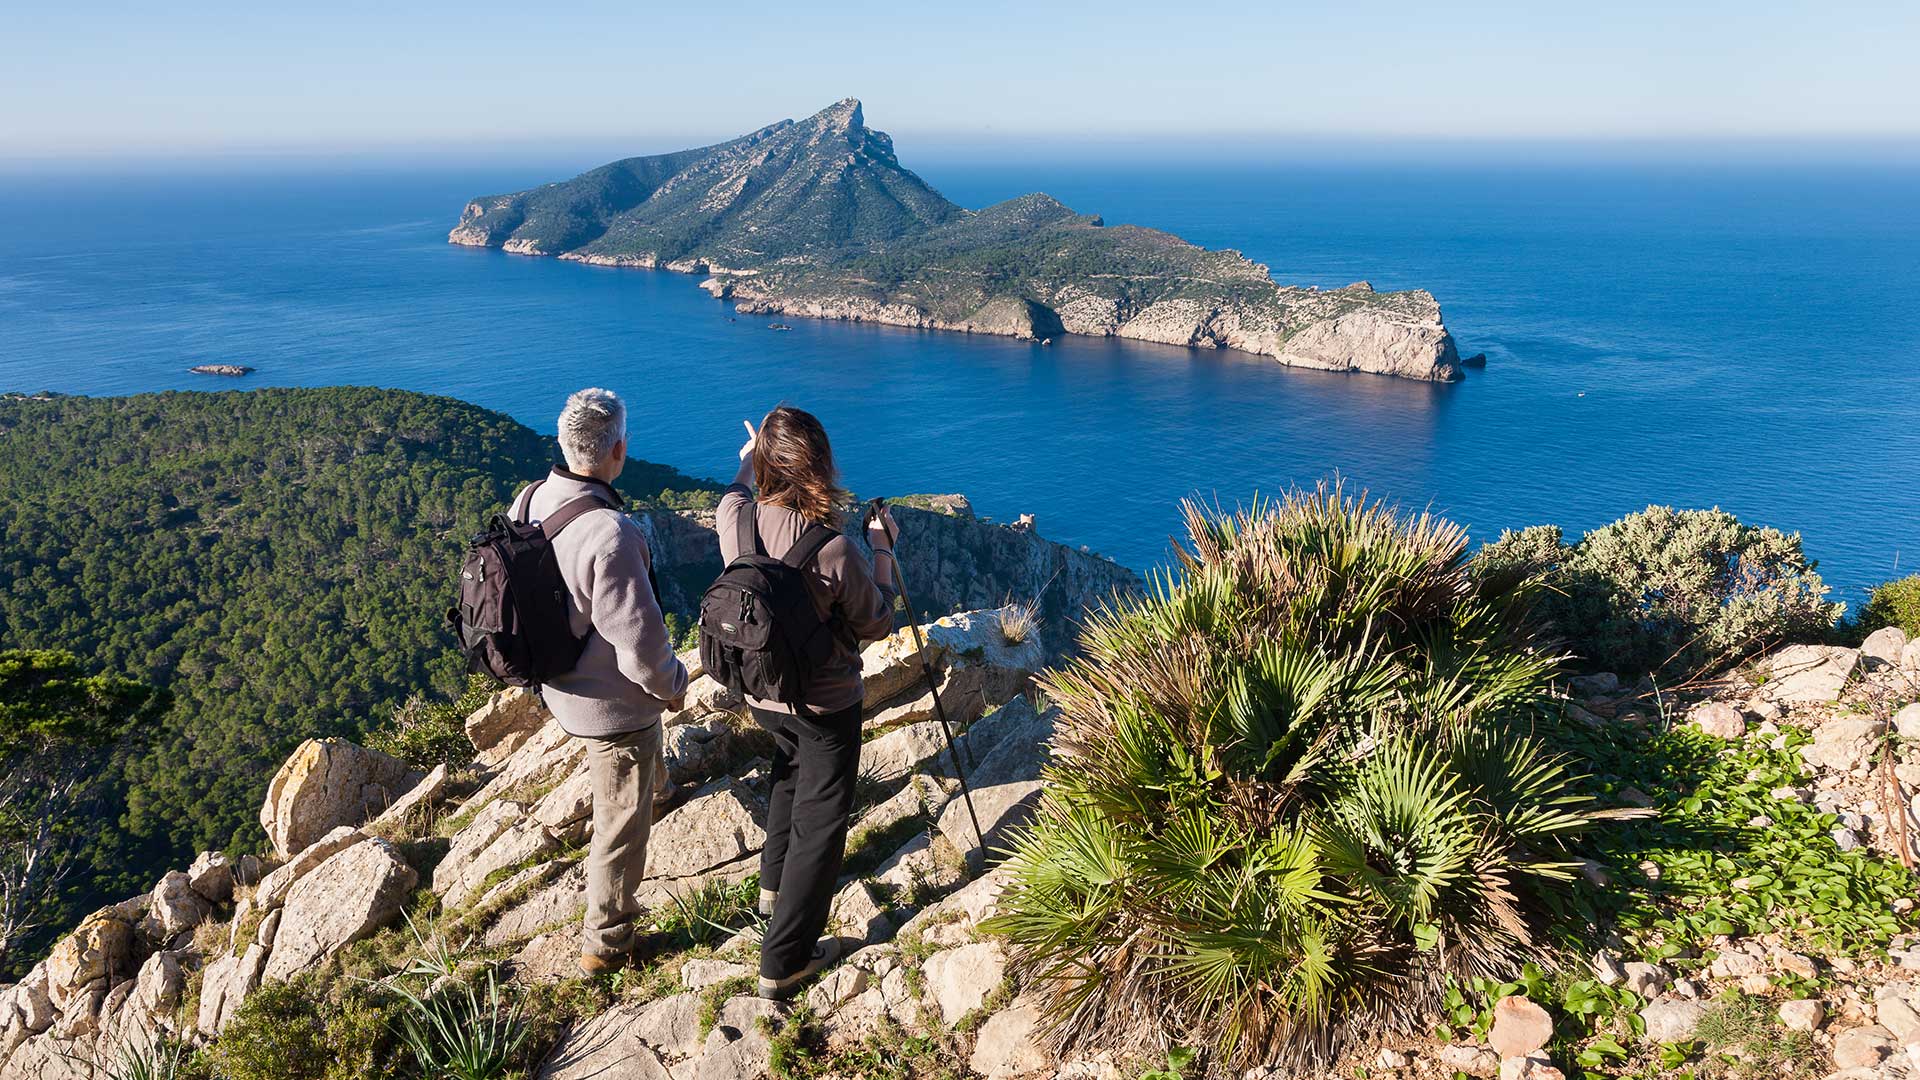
{"x": 620, "y": 450}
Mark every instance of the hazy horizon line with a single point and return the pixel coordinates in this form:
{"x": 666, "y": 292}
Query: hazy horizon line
{"x": 944, "y": 147}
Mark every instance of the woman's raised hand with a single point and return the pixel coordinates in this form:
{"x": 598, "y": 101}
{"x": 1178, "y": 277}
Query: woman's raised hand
{"x": 745, "y": 473}
{"x": 881, "y": 531}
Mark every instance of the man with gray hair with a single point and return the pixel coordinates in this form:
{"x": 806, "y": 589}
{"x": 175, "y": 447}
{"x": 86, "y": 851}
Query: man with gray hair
{"x": 627, "y": 675}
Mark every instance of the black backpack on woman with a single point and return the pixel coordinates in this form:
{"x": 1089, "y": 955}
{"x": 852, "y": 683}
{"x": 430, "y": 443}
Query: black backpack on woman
{"x": 760, "y": 634}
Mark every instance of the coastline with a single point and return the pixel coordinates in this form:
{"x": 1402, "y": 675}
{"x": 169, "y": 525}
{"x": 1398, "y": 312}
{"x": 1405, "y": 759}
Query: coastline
{"x": 1359, "y": 340}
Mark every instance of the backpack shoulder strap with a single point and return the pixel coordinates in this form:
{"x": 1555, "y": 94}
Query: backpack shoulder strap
{"x": 807, "y": 548}
{"x": 746, "y": 531}
{"x": 526, "y": 502}
{"x": 561, "y": 518}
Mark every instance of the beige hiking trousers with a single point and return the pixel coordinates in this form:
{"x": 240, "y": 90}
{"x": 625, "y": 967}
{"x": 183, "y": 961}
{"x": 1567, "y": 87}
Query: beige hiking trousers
{"x": 623, "y": 771}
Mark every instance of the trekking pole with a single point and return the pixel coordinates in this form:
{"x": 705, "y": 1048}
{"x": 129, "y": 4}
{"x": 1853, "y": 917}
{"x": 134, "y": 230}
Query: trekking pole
{"x": 926, "y": 668}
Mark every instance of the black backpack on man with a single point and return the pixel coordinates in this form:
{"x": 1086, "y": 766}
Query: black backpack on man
{"x": 760, "y": 633}
{"x": 512, "y": 618}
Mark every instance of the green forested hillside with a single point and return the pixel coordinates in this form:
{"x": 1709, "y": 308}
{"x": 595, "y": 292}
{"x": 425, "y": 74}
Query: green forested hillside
{"x": 278, "y": 559}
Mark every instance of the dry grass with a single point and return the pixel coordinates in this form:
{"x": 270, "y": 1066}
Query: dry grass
{"x": 1018, "y": 623}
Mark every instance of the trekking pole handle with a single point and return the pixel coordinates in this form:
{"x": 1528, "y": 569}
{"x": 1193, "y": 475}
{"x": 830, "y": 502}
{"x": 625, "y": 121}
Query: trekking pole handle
{"x": 876, "y": 507}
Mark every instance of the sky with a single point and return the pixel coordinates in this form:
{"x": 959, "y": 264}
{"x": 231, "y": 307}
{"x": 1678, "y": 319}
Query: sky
{"x": 84, "y": 79}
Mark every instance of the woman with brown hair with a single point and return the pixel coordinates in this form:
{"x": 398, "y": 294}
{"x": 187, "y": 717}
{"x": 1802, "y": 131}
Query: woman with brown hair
{"x": 817, "y": 745}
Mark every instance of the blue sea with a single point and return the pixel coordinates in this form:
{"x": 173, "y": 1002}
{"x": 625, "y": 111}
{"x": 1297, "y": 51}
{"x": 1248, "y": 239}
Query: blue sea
{"x": 1738, "y": 334}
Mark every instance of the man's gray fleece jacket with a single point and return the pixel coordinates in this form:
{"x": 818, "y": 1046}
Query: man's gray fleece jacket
{"x": 628, "y": 671}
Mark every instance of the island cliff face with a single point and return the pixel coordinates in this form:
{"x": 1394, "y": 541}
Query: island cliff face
{"x": 817, "y": 218}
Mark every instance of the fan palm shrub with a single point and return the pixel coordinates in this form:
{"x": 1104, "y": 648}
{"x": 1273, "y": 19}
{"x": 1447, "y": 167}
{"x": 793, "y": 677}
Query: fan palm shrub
{"x": 1295, "y": 788}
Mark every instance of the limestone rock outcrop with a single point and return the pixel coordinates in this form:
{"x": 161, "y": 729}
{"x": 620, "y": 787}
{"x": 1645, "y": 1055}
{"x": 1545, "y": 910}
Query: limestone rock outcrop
{"x": 341, "y": 901}
{"x": 328, "y": 783}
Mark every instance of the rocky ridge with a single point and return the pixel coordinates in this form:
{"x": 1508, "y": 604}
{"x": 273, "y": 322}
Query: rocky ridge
{"x": 920, "y": 881}
{"x": 182, "y": 959}
{"x": 817, "y": 218}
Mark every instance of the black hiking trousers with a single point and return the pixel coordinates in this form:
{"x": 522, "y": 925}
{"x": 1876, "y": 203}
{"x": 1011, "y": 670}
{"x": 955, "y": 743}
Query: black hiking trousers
{"x": 815, "y": 763}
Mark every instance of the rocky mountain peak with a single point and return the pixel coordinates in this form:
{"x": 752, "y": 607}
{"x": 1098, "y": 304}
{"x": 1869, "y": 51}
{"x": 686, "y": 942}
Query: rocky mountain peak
{"x": 841, "y": 116}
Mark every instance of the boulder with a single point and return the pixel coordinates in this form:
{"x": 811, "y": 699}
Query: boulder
{"x": 27, "y": 1002}
{"x": 343, "y": 900}
{"x": 100, "y": 948}
{"x": 836, "y": 988}
{"x": 397, "y": 817}
{"x": 325, "y": 784}
{"x": 570, "y": 802}
{"x": 604, "y": 1048}
{"x": 1898, "y": 1017}
{"x": 1607, "y": 969}
{"x": 1520, "y": 1027}
{"x": 1806, "y": 1014}
{"x": 1475, "y": 1061}
{"x": 1014, "y": 721}
{"x": 157, "y": 987}
{"x": 1534, "y": 1066}
{"x": 737, "y": 1047}
{"x": 1718, "y": 719}
{"x": 225, "y": 984}
{"x": 556, "y": 903}
{"x": 987, "y": 638}
{"x": 1809, "y": 673}
{"x": 1006, "y": 788}
{"x": 175, "y": 907}
{"x": 698, "y": 974}
{"x": 959, "y": 980}
{"x": 920, "y": 798}
{"x": 504, "y": 724}
{"x": 1910, "y": 657}
{"x": 891, "y": 665}
{"x": 527, "y": 841}
{"x": 1882, "y": 648}
{"x": 273, "y": 887}
{"x": 1907, "y": 721}
{"x": 1647, "y": 980}
{"x": 1861, "y": 1047}
{"x": 211, "y": 875}
{"x": 855, "y": 914}
{"x": 1843, "y": 744}
{"x": 546, "y": 757}
{"x": 550, "y": 958}
{"x": 925, "y": 865}
{"x": 966, "y": 907}
{"x": 705, "y": 696}
{"x": 81, "y": 1016}
{"x": 1598, "y": 684}
{"x": 492, "y": 821}
{"x": 693, "y": 750}
{"x": 1008, "y": 1044}
{"x": 1672, "y": 1020}
{"x": 716, "y": 827}
{"x": 896, "y": 755}
{"x": 670, "y": 1025}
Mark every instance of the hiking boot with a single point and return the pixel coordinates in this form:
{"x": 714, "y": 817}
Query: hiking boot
{"x": 824, "y": 953}
{"x": 591, "y": 965}
{"x": 646, "y": 948}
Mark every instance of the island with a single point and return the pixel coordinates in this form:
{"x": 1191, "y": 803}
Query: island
{"x": 232, "y": 371}
{"x": 817, "y": 218}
